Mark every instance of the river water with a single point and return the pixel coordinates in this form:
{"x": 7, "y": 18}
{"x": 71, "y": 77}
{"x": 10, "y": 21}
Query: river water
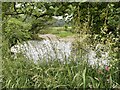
{"x": 44, "y": 50}
{"x": 56, "y": 50}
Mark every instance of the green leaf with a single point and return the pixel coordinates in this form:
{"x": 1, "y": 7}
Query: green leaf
{"x": 84, "y": 78}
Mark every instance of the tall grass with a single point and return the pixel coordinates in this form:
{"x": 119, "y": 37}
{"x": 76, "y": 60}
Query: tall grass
{"x": 22, "y": 73}
{"x": 76, "y": 73}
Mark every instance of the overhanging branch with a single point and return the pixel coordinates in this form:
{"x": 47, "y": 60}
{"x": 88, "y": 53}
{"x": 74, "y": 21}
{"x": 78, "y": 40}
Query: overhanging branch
{"x": 16, "y": 13}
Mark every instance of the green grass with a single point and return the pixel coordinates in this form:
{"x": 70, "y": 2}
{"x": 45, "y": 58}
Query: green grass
{"x": 59, "y": 31}
{"x": 21, "y": 73}
{"x": 64, "y": 34}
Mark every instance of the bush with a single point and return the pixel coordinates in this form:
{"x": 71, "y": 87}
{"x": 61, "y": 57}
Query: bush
{"x": 16, "y": 31}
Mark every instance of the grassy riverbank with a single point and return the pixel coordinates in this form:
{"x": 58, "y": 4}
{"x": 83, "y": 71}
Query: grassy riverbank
{"x": 58, "y": 31}
{"x": 87, "y": 25}
{"x": 20, "y": 73}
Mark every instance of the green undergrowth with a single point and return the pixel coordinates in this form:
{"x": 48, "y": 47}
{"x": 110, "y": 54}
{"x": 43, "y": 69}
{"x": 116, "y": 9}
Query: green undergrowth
{"x": 21, "y": 73}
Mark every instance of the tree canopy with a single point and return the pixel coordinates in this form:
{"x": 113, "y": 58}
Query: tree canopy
{"x": 100, "y": 20}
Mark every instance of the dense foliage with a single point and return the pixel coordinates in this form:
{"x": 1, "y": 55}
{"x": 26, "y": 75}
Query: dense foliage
{"x": 97, "y": 22}
{"x": 25, "y": 74}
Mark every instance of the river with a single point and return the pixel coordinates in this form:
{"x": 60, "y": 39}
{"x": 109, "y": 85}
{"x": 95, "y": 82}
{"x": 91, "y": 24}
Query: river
{"x": 52, "y": 48}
